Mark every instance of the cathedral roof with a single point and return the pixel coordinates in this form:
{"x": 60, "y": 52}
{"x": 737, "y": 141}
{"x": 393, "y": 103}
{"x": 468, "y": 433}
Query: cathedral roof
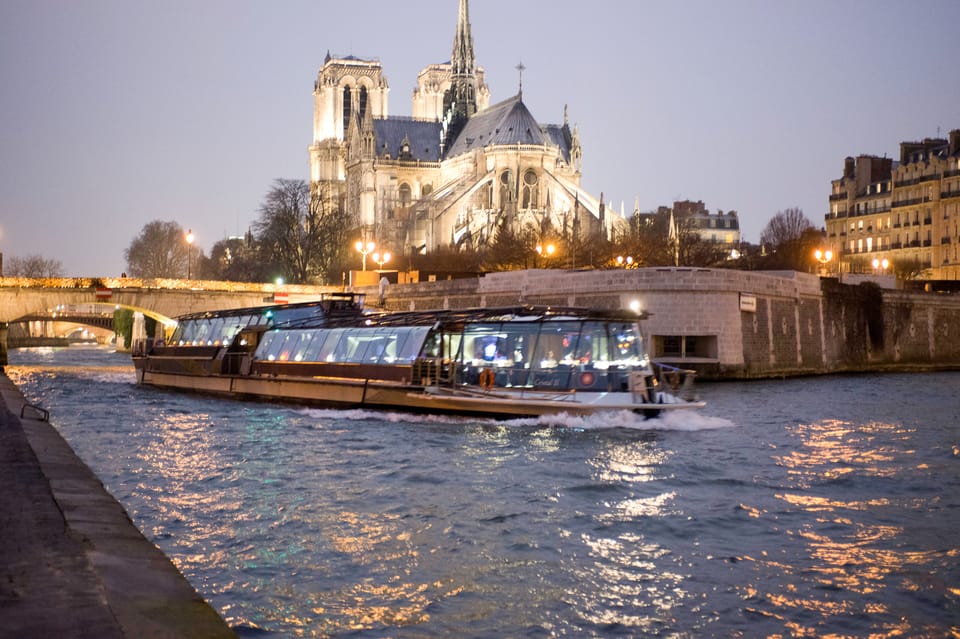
{"x": 423, "y": 137}
{"x": 509, "y": 122}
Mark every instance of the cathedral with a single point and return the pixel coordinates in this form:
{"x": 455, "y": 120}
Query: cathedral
{"x": 456, "y": 171}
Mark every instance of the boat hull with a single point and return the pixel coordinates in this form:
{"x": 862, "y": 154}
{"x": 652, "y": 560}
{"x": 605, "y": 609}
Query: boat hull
{"x": 381, "y": 394}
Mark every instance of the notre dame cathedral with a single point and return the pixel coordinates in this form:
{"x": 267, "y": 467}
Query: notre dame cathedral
{"x": 454, "y": 172}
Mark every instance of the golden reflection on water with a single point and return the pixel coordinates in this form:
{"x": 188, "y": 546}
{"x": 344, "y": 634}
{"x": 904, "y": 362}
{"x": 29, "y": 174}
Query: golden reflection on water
{"x": 844, "y": 553}
{"x": 626, "y": 582}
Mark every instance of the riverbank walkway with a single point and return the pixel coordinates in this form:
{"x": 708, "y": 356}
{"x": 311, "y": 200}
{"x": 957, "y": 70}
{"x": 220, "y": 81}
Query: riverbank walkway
{"x": 72, "y": 564}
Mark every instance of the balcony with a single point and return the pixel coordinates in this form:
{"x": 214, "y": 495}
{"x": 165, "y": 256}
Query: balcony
{"x": 919, "y": 200}
{"x": 945, "y": 240}
{"x": 927, "y": 243}
{"x": 917, "y": 180}
{"x": 837, "y": 197}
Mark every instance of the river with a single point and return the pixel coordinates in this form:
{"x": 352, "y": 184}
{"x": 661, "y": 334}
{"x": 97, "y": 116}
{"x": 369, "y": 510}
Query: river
{"x": 825, "y": 506}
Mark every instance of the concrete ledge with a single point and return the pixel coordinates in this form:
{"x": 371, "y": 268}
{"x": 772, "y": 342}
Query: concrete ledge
{"x": 74, "y": 565}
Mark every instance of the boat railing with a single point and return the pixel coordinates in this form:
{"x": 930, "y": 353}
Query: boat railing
{"x": 679, "y": 381}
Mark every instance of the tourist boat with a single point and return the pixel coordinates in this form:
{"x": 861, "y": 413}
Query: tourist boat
{"x": 499, "y": 362}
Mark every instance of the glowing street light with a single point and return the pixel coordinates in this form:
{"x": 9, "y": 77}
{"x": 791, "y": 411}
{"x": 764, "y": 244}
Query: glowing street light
{"x": 189, "y": 238}
{"x": 823, "y": 257}
{"x": 364, "y": 249}
{"x": 880, "y": 265}
{"x": 381, "y": 259}
{"x": 625, "y": 262}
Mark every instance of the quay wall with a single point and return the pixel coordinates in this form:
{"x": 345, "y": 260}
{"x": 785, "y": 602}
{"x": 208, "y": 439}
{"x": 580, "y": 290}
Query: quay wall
{"x": 733, "y": 324}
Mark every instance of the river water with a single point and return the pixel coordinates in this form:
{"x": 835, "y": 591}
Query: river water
{"x": 825, "y": 507}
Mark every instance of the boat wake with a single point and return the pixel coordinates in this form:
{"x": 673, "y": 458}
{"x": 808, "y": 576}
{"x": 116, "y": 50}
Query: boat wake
{"x": 672, "y": 420}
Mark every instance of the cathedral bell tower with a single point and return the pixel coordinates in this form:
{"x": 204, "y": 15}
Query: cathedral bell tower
{"x": 461, "y": 101}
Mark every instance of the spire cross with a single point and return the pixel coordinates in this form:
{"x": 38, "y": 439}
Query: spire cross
{"x": 520, "y": 68}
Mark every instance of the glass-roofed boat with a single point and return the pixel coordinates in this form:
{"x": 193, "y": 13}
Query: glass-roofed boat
{"x": 501, "y": 362}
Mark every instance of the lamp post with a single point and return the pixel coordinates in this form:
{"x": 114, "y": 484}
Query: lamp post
{"x": 625, "y": 262}
{"x": 823, "y": 257}
{"x": 189, "y": 238}
{"x": 880, "y": 265}
{"x": 381, "y": 259}
{"x": 545, "y": 250}
{"x": 364, "y": 248}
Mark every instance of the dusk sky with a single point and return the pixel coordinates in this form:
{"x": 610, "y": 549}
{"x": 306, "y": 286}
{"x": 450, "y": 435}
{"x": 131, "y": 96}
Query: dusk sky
{"x": 118, "y": 112}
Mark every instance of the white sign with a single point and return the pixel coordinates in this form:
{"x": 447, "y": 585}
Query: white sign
{"x": 748, "y": 303}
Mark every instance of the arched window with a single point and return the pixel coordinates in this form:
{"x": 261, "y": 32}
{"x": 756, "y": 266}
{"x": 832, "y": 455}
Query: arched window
{"x": 363, "y": 102}
{"x": 346, "y": 108}
{"x": 530, "y": 192}
{"x": 506, "y": 188}
{"x": 405, "y": 194}
{"x": 426, "y": 190}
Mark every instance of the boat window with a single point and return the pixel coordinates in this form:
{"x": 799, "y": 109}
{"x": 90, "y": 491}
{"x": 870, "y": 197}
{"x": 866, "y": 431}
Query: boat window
{"x": 312, "y": 352}
{"x": 409, "y": 348}
{"x": 628, "y": 347}
{"x": 331, "y": 346}
{"x": 264, "y": 347}
{"x": 484, "y": 344}
{"x": 594, "y": 345}
{"x": 303, "y": 343}
{"x": 556, "y": 344}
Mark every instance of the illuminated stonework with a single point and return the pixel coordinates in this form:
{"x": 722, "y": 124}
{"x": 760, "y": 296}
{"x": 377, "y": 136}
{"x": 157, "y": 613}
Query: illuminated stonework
{"x": 454, "y": 172}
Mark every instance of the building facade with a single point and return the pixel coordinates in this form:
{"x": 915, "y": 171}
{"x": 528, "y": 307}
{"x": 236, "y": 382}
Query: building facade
{"x": 904, "y": 214}
{"x": 456, "y": 170}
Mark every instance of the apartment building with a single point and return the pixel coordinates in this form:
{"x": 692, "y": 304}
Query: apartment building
{"x": 899, "y": 217}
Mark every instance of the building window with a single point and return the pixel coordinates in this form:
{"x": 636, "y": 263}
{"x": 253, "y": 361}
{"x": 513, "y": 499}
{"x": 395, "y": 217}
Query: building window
{"x": 506, "y": 190}
{"x": 530, "y": 199}
{"x": 347, "y": 97}
{"x": 405, "y": 194}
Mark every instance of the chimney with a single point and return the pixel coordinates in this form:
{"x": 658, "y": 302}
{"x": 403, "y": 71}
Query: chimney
{"x": 849, "y": 168}
{"x": 955, "y": 142}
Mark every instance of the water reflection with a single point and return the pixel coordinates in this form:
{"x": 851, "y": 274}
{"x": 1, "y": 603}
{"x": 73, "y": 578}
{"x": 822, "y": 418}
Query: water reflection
{"x": 849, "y": 548}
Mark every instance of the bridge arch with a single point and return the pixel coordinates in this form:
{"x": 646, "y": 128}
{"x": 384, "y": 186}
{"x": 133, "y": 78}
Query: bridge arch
{"x": 161, "y": 299}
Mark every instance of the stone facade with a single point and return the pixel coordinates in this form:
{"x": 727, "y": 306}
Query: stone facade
{"x": 906, "y": 212}
{"x": 456, "y": 171}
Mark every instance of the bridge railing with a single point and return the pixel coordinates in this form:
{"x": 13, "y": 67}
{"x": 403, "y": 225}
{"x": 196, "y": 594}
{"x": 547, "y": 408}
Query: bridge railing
{"x": 159, "y": 283}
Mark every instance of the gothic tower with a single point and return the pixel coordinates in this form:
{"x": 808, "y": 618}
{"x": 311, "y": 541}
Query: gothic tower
{"x": 345, "y": 87}
{"x": 461, "y": 101}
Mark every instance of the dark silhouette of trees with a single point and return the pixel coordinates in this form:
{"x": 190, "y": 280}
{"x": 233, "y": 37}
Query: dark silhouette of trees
{"x": 790, "y": 239}
{"x": 33, "y": 266}
{"x": 301, "y": 232}
{"x": 161, "y": 250}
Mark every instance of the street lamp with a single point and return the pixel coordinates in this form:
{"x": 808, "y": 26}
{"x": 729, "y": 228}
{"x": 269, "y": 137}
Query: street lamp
{"x": 823, "y": 257}
{"x": 625, "y": 262}
{"x": 364, "y": 249}
{"x": 547, "y": 250}
{"x": 880, "y": 265}
{"x": 189, "y": 238}
{"x": 381, "y": 259}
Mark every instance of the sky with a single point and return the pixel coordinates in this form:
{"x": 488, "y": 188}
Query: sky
{"x": 115, "y": 113}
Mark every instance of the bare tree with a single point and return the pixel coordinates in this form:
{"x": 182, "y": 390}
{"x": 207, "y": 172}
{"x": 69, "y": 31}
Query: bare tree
{"x": 790, "y": 238}
{"x": 301, "y": 231}
{"x": 33, "y": 266}
{"x": 161, "y": 250}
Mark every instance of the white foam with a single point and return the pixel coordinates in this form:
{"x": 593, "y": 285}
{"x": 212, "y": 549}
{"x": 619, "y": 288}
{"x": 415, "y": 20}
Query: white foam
{"x": 682, "y": 420}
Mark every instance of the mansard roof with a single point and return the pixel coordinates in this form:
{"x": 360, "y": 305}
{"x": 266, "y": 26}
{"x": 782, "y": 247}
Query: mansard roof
{"x": 509, "y": 122}
{"x": 423, "y": 136}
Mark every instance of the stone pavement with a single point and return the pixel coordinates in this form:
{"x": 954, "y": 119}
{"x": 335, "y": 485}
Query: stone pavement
{"x": 72, "y": 564}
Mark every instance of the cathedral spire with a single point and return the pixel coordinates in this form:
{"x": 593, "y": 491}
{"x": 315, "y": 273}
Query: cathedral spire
{"x": 462, "y": 59}
{"x": 460, "y": 102}
{"x": 463, "y": 67}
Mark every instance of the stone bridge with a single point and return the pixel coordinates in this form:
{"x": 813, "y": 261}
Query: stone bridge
{"x": 161, "y": 299}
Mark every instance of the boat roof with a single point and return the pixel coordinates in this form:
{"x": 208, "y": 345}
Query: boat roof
{"x": 502, "y": 314}
{"x": 346, "y": 309}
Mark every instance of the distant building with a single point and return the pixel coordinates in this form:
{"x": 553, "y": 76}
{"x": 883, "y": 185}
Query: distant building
{"x": 906, "y": 212}
{"x": 452, "y": 173}
{"x": 693, "y": 217}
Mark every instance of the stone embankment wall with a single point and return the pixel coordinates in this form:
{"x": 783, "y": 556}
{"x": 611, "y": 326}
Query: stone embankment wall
{"x": 733, "y": 324}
